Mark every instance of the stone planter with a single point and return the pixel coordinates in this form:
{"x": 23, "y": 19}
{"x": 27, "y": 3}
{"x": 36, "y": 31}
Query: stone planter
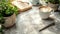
{"x": 9, "y": 21}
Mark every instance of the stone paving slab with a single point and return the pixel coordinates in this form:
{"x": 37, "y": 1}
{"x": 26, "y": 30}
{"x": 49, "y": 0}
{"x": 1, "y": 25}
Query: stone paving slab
{"x": 29, "y": 22}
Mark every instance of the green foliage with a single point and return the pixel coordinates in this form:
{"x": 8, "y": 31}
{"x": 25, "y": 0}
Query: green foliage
{"x": 2, "y": 20}
{"x": 1, "y": 29}
{"x": 53, "y": 1}
{"x": 6, "y": 9}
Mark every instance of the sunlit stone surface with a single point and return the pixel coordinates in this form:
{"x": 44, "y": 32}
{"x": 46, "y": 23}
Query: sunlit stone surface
{"x": 29, "y": 22}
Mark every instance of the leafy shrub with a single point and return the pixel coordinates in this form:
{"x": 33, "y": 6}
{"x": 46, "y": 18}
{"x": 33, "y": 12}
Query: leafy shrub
{"x": 53, "y": 1}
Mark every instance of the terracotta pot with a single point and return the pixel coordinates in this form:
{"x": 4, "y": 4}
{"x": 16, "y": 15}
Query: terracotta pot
{"x": 9, "y": 21}
{"x": 54, "y": 6}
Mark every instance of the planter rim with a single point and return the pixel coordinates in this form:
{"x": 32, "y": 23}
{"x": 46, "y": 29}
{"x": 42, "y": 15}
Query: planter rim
{"x": 11, "y": 15}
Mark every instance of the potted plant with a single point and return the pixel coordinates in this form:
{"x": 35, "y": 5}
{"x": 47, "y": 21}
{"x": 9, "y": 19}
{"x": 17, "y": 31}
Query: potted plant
{"x": 53, "y": 3}
{"x": 7, "y": 13}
